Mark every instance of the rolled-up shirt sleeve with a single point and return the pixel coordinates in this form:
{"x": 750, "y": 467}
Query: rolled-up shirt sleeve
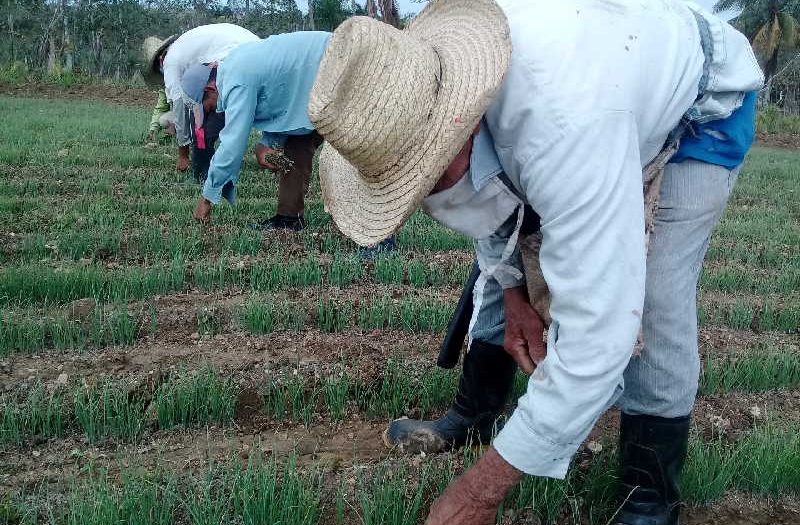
{"x": 587, "y": 189}
{"x": 240, "y": 106}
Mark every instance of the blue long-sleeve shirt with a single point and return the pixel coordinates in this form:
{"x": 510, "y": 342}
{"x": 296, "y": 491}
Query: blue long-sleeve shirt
{"x": 263, "y": 85}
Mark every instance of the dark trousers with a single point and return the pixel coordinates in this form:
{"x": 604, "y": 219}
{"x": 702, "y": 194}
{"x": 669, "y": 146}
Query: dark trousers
{"x": 293, "y": 183}
{"x": 201, "y": 157}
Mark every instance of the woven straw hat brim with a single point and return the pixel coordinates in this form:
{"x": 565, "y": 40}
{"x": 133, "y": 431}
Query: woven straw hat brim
{"x": 471, "y": 39}
{"x": 152, "y": 73}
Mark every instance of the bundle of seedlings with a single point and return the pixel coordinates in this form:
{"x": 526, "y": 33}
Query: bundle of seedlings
{"x": 281, "y": 162}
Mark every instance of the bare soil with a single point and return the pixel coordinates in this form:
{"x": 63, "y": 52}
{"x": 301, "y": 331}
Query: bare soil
{"x": 127, "y": 96}
{"x": 778, "y": 140}
{"x": 746, "y": 509}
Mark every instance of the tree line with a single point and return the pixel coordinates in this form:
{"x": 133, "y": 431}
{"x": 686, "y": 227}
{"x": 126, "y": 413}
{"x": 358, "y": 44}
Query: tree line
{"x": 103, "y": 37}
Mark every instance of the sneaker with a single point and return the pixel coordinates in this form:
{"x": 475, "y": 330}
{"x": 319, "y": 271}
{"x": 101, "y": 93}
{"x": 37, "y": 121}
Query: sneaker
{"x": 370, "y": 253}
{"x": 281, "y": 222}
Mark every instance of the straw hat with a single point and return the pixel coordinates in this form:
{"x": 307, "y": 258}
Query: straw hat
{"x": 151, "y": 49}
{"x": 395, "y": 107}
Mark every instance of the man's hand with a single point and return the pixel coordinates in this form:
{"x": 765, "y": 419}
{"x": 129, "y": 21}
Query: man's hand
{"x": 473, "y": 498}
{"x": 202, "y": 212}
{"x": 183, "y": 158}
{"x": 262, "y": 151}
{"x": 524, "y": 330}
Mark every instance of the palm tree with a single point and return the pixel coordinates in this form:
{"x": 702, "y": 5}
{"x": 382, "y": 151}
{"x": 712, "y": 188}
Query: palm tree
{"x": 770, "y": 25}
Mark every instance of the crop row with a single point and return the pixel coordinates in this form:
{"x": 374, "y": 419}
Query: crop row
{"x": 732, "y": 279}
{"x": 413, "y": 314}
{"x": 764, "y": 460}
{"x": 29, "y": 284}
{"x": 28, "y": 331}
{"x": 113, "y": 409}
{"x": 108, "y": 326}
{"x": 99, "y": 329}
{"x": 761, "y": 368}
{"x": 102, "y": 230}
{"x": 744, "y": 315}
{"x": 768, "y": 254}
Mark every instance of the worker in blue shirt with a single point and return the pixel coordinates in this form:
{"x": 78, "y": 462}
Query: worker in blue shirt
{"x": 264, "y": 85}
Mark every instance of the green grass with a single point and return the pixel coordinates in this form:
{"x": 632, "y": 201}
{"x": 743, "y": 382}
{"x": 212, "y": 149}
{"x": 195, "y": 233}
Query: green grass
{"x": 39, "y": 415}
{"x": 743, "y": 314}
{"x": 338, "y": 389}
{"x": 759, "y": 369}
{"x": 29, "y": 332}
{"x": 107, "y": 410}
{"x": 412, "y": 314}
{"x": 192, "y": 399}
{"x": 709, "y": 471}
{"x": 268, "y": 493}
{"x": 263, "y": 317}
{"x": 85, "y": 213}
{"x": 763, "y": 460}
{"x": 385, "y": 497}
{"x": 290, "y": 395}
{"x": 114, "y": 409}
{"x": 769, "y": 460}
{"x": 33, "y": 284}
{"x": 139, "y": 500}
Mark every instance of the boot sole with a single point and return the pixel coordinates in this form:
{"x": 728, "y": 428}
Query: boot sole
{"x": 416, "y": 442}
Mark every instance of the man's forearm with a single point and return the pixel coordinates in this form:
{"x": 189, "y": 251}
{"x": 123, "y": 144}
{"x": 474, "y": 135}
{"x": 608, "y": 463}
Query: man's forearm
{"x": 490, "y": 479}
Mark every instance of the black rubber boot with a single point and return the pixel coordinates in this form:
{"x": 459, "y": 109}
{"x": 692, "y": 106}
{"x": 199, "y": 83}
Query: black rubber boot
{"x": 486, "y": 380}
{"x": 370, "y": 253}
{"x": 652, "y": 453}
{"x": 281, "y": 222}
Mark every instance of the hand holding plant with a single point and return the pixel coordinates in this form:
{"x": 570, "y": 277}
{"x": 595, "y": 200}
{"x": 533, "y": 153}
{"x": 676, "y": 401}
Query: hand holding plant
{"x": 272, "y": 159}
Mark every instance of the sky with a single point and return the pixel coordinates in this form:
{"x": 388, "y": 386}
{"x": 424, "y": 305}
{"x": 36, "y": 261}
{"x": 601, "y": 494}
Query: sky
{"x": 413, "y": 6}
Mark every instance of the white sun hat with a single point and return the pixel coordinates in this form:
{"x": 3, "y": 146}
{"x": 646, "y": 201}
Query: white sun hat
{"x": 395, "y": 107}
{"x": 152, "y": 47}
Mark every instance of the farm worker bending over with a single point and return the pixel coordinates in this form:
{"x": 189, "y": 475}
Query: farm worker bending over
{"x": 592, "y": 93}
{"x": 263, "y": 85}
{"x": 162, "y": 118}
{"x": 166, "y": 63}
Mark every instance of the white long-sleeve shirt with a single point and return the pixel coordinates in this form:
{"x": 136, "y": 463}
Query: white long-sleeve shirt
{"x": 592, "y": 92}
{"x": 201, "y": 45}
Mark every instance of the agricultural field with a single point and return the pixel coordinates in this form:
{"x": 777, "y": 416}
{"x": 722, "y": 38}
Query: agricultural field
{"x": 155, "y": 371}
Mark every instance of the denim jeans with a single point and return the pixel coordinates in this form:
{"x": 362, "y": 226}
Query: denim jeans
{"x": 662, "y": 380}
